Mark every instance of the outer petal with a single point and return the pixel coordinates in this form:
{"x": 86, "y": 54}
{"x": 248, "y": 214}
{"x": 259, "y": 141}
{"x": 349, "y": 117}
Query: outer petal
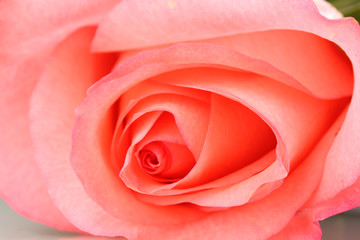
{"x": 21, "y": 183}
{"x": 29, "y": 27}
{"x": 302, "y": 226}
{"x": 339, "y": 187}
{"x": 327, "y": 10}
{"x": 61, "y": 74}
{"x": 29, "y": 30}
{"x": 343, "y": 201}
{"x": 179, "y": 21}
{"x": 315, "y": 63}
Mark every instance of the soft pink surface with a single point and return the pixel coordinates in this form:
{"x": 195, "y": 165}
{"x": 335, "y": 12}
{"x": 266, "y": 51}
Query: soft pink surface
{"x": 52, "y": 155}
{"x": 62, "y": 168}
{"x": 26, "y": 43}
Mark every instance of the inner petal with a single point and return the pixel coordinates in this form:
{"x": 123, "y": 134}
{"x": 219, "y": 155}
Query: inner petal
{"x": 123, "y": 137}
{"x": 154, "y": 158}
{"x": 191, "y": 116}
{"x": 236, "y": 137}
{"x": 159, "y": 158}
{"x": 165, "y": 161}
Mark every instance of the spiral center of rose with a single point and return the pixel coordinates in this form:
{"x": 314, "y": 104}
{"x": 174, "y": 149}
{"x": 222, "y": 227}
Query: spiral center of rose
{"x": 153, "y": 158}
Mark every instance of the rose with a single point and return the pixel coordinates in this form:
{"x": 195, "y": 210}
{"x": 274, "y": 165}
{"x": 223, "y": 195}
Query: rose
{"x": 310, "y": 192}
{"x": 272, "y": 83}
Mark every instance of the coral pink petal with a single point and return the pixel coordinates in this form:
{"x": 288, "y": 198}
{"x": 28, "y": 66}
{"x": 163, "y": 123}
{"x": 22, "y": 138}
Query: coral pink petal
{"x": 327, "y": 10}
{"x": 344, "y": 200}
{"x": 314, "y": 211}
{"x": 236, "y": 137}
{"x": 183, "y": 21}
{"x": 52, "y": 153}
{"x": 23, "y": 55}
{"x": 342, "y": 169}
{"x": 316, "y": 63}
{"x": 343, "y": 161}
{"x": 302, "y": 226}
{"x": 30, "y": 30}
{"x": 179, "y": 21}
{"x": 32, "y": 27}
{"x": 145, "y": 89}
{"x": 328, "y": 203}
{"x": 21, "y": 183}
{"x": 136, "y": 129}
{"x": 164, "y": 130}
{"x": 192, "y": 125}
{"x": 148, "y": 88}
{"x": 182, "y": 161}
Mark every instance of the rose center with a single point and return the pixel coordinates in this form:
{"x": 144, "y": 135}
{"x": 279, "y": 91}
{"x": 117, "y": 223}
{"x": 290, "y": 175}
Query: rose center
{"x": 153, "y": 158}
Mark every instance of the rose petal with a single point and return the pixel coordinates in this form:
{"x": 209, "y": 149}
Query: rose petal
{"x": 316, "y": 63}
{"x": 342, "y": 169}
{"x": 182, "y": 161}
{"x": 139, "y": 125}
{"x": 195, "y": 107}
{"x": 325, "y": 204}
{"x": 21, "y": 183}
{"x": 196, "y": 112}
{"x": 344, "y": 200}
{"x": 52, "y": 153}
{"x": 236, "y": 137}
{"x": 26, "y": 41}
{"x": 164, "y": 130}
{"x": 183, "y": 21}
{"x": 33, "y": 27}
{"x": 179, "y": 21}
{"x": 328, "y": 10}
{"x": 143, "y": 90}
{"x": 301, "y": 226}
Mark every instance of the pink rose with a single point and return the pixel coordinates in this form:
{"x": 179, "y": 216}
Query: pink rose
{"x": 183, "y": 119}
